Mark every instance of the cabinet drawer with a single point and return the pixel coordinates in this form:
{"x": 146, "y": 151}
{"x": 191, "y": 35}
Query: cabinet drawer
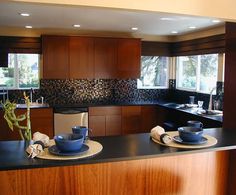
{"x": 107, "y": 110}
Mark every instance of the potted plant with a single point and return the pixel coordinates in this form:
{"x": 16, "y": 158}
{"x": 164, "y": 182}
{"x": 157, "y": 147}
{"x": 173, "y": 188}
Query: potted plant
{"x": 14, "y": 121}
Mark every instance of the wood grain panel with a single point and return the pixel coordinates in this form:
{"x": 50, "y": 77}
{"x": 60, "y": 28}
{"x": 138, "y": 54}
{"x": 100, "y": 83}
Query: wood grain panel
{"x": 131, "y": 119}
{"x": 55, "y": 57}
{"x": 113, "y": 125}
{"x": 81, "y": 57}
{"x": 105, "y": 110}
{"x": 149, "y": 116}
{"x": 195, "y": 174}
{"x": 98, "y": 125}
{"x": 230, "y": 96}
{"x": 105, "y": 57}
{"x": 129, "y": 58}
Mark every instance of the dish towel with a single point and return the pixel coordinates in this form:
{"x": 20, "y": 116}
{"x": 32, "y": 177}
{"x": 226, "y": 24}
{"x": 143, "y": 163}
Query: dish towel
{"x": 40, "y": 142}
{"x": 158, "y": 133}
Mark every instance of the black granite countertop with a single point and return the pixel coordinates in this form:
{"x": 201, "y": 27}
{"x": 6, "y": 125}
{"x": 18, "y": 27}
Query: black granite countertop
{"x": 115, "y": 148}
{"x": 165, "y": 104}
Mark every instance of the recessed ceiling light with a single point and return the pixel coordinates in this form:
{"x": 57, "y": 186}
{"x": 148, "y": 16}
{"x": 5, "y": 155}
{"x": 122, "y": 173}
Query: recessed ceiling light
{"x": 215, "y": 21}
{"x": 28, "y": 26}
{"x": 192, "y": 27}
{"x": 167, "y": 19}
{"x": 134, "y": 28}
{"x": 24, "y": 14}
{"x": 76, "y": 25}
{"x": 174, "y": 32}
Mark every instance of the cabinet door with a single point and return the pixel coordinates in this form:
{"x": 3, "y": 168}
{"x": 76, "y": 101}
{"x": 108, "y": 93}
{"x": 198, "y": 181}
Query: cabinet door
{"x": 41, "y": 120}
{"x": 55, "y": 57}
{"x": 129, "y": 58}
{"x": 149, "y": 118}
{"x": 81, "y": 57}
{"x": 113, "y": 125}
{"x": 105, "y": 120}
{"x": 131, "y": 119}
{"x": 105, "y": 57}
{"x": 98, "y": 125}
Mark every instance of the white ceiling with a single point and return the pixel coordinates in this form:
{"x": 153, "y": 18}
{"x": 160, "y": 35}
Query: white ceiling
{"x": 98, "y": 19}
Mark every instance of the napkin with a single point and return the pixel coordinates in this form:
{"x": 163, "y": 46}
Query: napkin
{"x": 37, "y": 136}
{"x": 34, "y": 150}
{"x": 40, "y": 141}
{"x": 158, "y": 133}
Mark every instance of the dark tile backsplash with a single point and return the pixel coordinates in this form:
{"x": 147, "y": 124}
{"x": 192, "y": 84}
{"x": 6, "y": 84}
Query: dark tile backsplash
{"x": 181, "y": 96}
{"x": 79, "y": 91}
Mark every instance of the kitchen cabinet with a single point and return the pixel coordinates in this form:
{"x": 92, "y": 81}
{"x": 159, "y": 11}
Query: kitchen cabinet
{"x": 105, "y": 57}
{"x": 129, "y": 58}
{"x": 81, "y": 57}
{"x": 121, "y": 120}
{"x": 55, "y": 57}
{"x": 67, "y": 57}
{"x": 41, "y": 120}
{"x": 131, "y": 119}
{"x": 105, "y": 120}
{"x": 150, "y": 117}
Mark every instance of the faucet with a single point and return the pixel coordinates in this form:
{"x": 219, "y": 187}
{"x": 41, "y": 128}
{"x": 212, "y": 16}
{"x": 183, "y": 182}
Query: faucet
{"x": 31, "y": 95}
{"x": 210, "y": 101}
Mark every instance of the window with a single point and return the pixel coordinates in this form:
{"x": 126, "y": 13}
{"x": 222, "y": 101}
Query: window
{"x": 22, "y": 71}
{"x": 197, "y": 73}
{"x": 154, "y": 72}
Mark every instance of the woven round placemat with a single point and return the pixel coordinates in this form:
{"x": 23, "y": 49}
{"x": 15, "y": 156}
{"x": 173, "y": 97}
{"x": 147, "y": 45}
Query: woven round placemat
{"x": 94, "y": 148}
{"x": 211, "y": 141}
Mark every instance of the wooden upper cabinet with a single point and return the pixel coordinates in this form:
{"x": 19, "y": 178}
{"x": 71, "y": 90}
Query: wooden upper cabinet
{"x": 105, "y": 57}
{"x": 89, "y": 57}
{"x": 129, "y": 58}
{"x": 81, "y": 55}
{"x": 55, "y": 57}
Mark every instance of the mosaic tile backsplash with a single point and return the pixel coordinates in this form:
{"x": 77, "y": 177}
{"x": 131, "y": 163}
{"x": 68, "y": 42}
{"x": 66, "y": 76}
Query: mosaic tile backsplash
{"x": 77, "y": 91}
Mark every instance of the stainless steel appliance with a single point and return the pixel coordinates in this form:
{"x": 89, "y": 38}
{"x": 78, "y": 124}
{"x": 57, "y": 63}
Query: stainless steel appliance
{"x": 66, "y": 118}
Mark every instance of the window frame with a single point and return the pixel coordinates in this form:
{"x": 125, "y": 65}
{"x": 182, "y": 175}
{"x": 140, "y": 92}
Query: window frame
{"x": 198, "y": 73}
{"x": 16, "y": 76}
{"x": 167, "y": 75}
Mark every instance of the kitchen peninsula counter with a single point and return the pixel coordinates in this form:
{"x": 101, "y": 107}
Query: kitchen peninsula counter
{"x": 115, "y": 148}
{"x": 131, "y": 164}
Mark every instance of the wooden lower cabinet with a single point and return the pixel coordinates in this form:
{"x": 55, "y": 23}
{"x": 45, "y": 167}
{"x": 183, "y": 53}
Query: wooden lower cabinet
{"x": 105, "y": 120}
{"x": 121, "y": 120}
{"x": 189, "y": 174}
{"x": 131, "y": 119}
{"x": 97, "y": 124}
{"x": 41, "y": 120}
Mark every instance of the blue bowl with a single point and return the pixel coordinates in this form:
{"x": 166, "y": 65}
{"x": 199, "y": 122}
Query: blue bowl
{"x": 190, "y": 134}
{"x": 69, "y": 142}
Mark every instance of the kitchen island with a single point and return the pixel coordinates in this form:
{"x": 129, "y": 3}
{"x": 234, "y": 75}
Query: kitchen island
{"x": 131, "y": 164}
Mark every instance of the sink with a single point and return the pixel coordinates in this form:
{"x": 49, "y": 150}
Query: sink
{"x": 173, "y": 105}
{"x": 33, "y": 105}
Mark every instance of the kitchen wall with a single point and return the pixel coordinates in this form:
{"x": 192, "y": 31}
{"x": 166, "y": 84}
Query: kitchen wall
{"x": 89, "y": 91}
{"x": 77, "y": 91}
{"x": 181, "y": 96}
{"x": 109, "y": 91}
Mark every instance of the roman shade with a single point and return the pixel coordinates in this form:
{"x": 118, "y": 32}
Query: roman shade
{"x": 206, "y": 45}
{"x": 18, "y": 45}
